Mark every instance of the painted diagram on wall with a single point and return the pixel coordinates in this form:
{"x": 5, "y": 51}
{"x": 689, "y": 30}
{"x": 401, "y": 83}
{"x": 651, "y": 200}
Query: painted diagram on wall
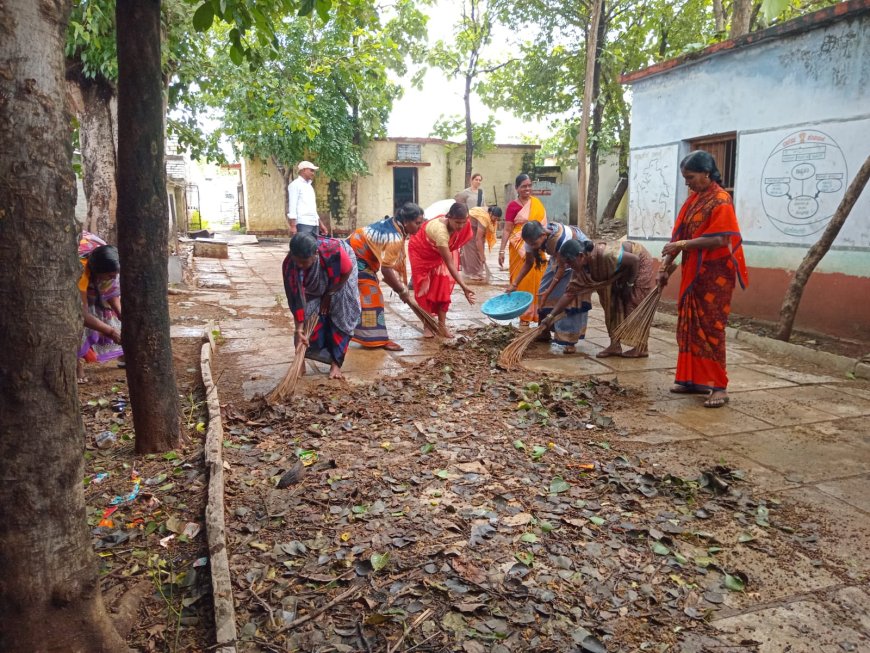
{"x": 651, "y": 192}
{"x": 803, "y": 181}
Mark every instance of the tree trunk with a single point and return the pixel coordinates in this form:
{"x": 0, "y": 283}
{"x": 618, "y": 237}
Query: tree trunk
{"x": 719, "y": 16}
{"x": 583, "y": 134}
{"x": 616, "y": 196}
{"x": 741, "y": 14}
{"x": 597, "y": 113}
{"x": 469, "y": 135}
{"x": 49, "y": 592}
{"x": 98, "y": 139}
{"x": 815, "y": 254}
{"x": 353, "y": 203}
{"x": 143, "y": 228}
{"x": 286, "y": 175}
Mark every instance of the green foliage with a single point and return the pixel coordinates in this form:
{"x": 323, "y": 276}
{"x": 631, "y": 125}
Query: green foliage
{"x": 91, "y": 41}
{"x": 453, "y": 128}
{"x": 335, "y": 201}
{"x": 321, "y": 93}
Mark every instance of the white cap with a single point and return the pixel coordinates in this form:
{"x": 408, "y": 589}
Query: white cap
{"x": 306, "y": 165}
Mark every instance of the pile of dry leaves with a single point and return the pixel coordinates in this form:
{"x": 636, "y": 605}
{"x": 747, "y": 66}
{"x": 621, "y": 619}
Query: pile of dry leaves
{"x": 463, "y": 508}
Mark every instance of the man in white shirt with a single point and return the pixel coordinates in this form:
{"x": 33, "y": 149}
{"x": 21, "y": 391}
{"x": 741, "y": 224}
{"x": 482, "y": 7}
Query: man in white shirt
{"x": 302, "y": 214}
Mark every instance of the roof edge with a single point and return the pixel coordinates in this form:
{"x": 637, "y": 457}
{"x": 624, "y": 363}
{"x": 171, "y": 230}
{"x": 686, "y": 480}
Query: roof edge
{"x": 797, "y": 25}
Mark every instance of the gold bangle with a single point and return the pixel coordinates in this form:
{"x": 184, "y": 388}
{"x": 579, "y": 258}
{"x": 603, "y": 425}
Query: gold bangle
{"x": 682, "y": 245}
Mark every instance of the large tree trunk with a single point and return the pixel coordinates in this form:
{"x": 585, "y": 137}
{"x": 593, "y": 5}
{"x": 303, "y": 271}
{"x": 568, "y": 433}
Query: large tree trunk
{"x": 583, "y": 134}
{"x": 286, "y": 176}
{"x": 98, "y": 137}
{"x": 615, "y": 198}
{"x": 469, "y": 133}
{"x": 741, "y": 14}
{"x": 815, "y": 254}
{"x": 49, "y": 589}
{"x": 143, "y": 227}
{"x": 597, "y": 113}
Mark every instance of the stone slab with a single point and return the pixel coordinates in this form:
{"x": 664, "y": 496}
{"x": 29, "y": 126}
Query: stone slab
{"x": 845, "y": 535}
{"x": 690, "y": 412}
{"x": 209, "y": 249}
{"x": 829, "y": 400}
{"x": 799, "y": 627}
{"x": 744, "y": 378}
{"x": 779, "y": 408}
{"x": 792, "y": 375}
{"x": 804, "y": 454}
{"x": 854, "y": 491}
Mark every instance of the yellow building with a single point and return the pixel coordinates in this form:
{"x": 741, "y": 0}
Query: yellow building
{"x": 421, "y": 170}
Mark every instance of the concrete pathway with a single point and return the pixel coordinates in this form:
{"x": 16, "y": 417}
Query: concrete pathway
{"x": 801, "y": 433}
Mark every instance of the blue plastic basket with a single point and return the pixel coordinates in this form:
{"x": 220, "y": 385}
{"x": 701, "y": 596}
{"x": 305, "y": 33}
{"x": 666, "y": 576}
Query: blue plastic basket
{"x": 507, "y": 307}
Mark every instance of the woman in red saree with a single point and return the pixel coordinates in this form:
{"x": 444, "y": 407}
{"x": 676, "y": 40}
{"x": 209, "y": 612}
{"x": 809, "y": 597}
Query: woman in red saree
{"x": 524, "y": 209}
{"x": 434, "y": 254}
{"x": 707, "y": 235}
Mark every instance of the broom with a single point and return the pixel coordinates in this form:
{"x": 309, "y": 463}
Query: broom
{"x": 634, "y": 330}
{"x": 287, "y": 386}
{"x": 428, "y": 320}
{"x": 513, "y": 352}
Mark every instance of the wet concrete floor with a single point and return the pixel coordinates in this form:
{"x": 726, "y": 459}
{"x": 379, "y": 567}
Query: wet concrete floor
{"x": 802, "y": 434}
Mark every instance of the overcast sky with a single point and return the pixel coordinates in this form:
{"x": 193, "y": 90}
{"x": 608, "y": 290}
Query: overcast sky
{"x": 416, "y": 113}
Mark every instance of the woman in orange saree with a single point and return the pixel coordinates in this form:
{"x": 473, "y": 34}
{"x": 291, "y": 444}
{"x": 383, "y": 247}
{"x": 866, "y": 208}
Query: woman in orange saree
{"x": 707, "y": 236}
{"x": 520, "y": 211}
{"x": 434, "y": 255}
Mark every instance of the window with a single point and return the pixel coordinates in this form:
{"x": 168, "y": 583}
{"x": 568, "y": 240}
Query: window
{"x": 409, "y": 152}
{"x": 723, "y": 147}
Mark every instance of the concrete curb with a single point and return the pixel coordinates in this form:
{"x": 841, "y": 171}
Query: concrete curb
{"x": 841, "y": 364}
{"x": 221, "y": 583}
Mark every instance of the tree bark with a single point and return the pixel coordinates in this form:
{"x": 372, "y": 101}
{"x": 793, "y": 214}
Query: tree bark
{"x": 583, "y": 134}
{"x": 98, "y": 129}
{"x": 741, "y": 14}
{"x": 719, "y": 16}
{"x": 615, "y": 198}
{"x": 143, "y": 227}
{"x": 469, "y": 132}
{"x": 814, "y": 255}
{"x": 597, "y": 113}
{"x": 49, "y": 589}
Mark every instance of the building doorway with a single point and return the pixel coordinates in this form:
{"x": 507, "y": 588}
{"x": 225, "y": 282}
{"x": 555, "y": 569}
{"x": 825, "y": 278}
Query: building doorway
{"x": 404, "y": 186}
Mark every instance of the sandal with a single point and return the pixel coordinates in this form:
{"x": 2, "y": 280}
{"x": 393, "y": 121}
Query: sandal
{"x": 393, "y": 346}
{"x": 717, "y": 402}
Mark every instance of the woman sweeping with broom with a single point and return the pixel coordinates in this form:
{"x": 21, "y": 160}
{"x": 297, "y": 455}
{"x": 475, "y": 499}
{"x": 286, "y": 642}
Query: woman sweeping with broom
{"x": 320, "y": 279}
{"x": 545, "y": 240}
{"x": 381, "y": 246}
{"x": 623, "y": 274}
{"x": 434, "y": 254}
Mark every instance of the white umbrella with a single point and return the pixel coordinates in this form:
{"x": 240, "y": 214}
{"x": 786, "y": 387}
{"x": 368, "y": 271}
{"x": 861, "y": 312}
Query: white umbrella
{"x": 438, "y": 208}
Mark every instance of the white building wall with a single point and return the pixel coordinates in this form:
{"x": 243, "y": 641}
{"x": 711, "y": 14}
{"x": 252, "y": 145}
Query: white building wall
{"x": 800, "y": 106}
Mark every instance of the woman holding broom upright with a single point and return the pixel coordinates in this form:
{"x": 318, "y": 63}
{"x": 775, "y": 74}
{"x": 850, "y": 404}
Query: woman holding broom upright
{"x": 381, "y": 246}
{"x": 623, "y": 273}
{"x": 434, "y": 254}
{"x": 520, "y": 211}
{"x": 320, "y": 278}
{"x": 545, "y": 240}
{"x": 707, "y": 236}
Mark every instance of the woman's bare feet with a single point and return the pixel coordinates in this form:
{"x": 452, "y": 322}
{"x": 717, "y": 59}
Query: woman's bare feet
{"x": 335, "y": 372}
{"x": 427, "y": 332}
{"x": 612, "y": 350}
